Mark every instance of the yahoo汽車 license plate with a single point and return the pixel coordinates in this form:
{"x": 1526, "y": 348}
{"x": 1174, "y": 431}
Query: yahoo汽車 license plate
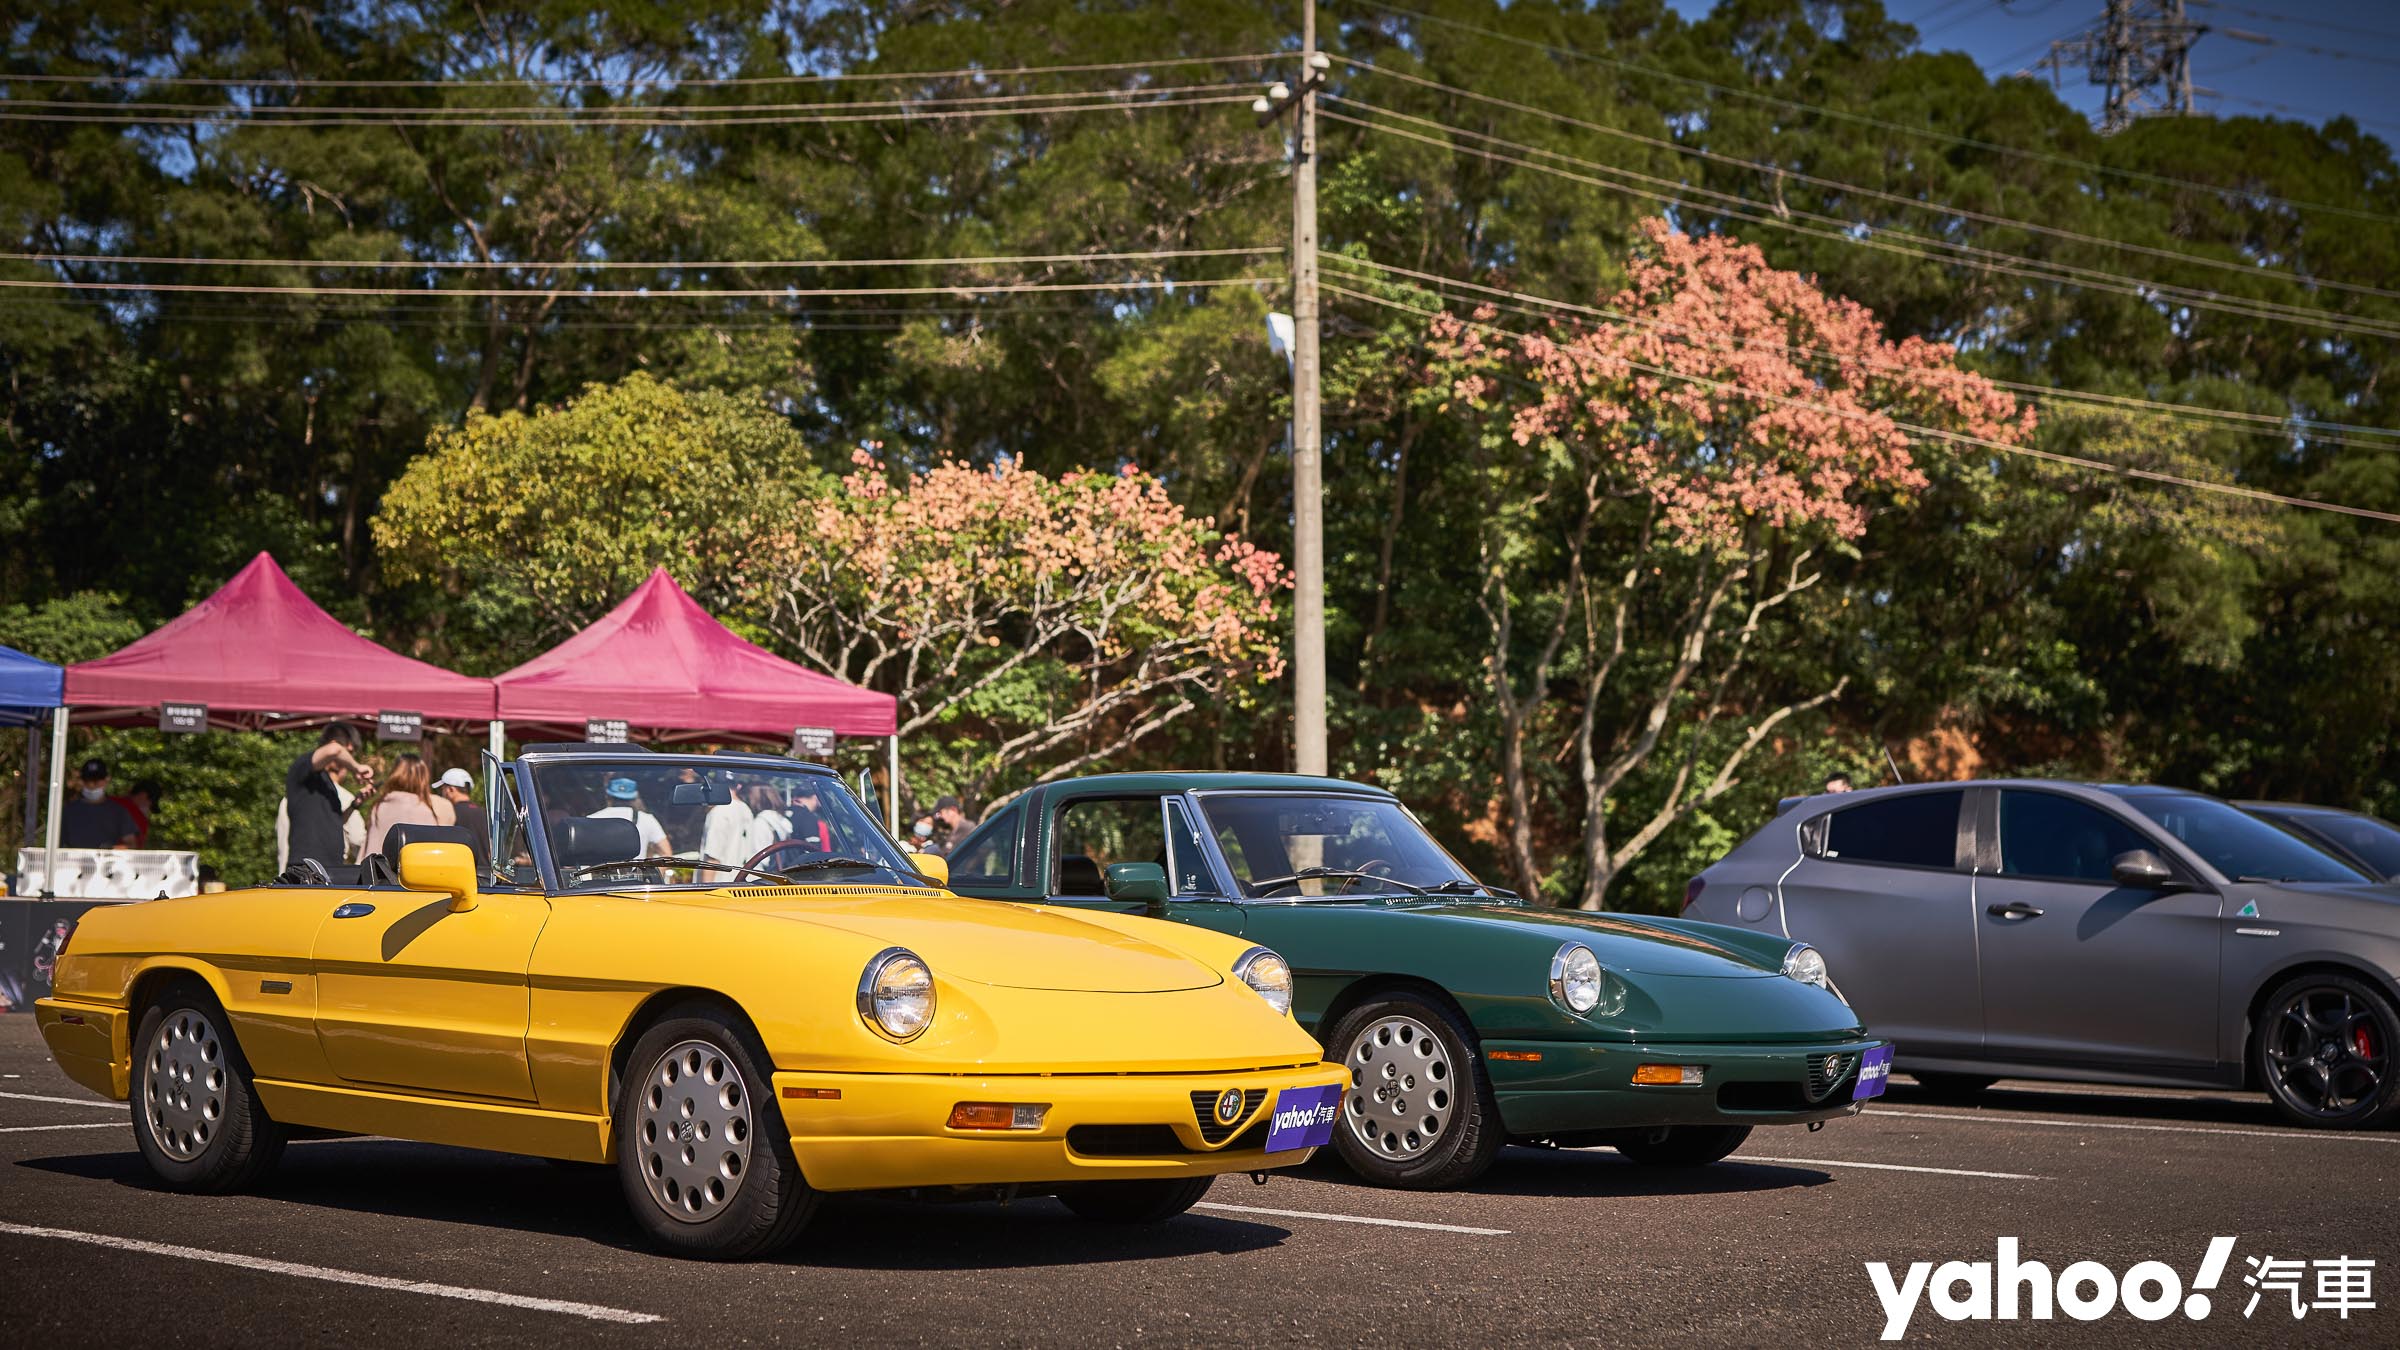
{"x": 1874, "y": 1070}
{"x": 1303, "y": 1117}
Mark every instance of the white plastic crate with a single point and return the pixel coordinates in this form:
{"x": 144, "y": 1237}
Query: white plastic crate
{"x": 109, "y": 873}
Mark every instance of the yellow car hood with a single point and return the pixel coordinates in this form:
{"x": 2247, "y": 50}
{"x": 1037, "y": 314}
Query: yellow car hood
{"x": 986, "y": 941}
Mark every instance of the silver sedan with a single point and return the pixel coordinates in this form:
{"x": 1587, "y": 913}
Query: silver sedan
{"x": 2037, "y": 929}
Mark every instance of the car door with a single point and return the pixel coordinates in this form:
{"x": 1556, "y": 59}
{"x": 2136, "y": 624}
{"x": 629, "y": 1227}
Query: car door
{"x": 1088, "y": 834}
{"x": 2076, "y": 968}
{"x": 1883, "y": 889}
{"x": 413, "y": 996}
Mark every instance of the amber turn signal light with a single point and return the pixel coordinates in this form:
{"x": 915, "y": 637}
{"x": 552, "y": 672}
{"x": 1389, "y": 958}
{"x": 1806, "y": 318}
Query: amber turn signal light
{"x": 1527, "y": 1056}
{"x": 1669, "y": 1075}
{"x": 814, "y": 1094}
{"x": 998, "y": 1115}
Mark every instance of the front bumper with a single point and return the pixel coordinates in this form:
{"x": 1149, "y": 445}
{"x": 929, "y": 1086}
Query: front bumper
{"x": 1577, "y": 1086}
{"x": 890, "y": 1131}
{"x": 89, "y": 1041}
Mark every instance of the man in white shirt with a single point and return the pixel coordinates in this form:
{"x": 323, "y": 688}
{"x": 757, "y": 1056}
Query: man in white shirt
{"x": 624, "y": 797}
{"x": 725, "y": 835}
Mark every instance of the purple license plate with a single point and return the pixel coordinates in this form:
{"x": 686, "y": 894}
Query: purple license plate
{"x": 1303, "y": 1117}
{"x": 1874, "y": 1070}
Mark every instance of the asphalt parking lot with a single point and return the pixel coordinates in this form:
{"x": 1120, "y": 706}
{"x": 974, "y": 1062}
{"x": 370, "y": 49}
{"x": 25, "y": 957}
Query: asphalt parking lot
{"x": 374, "y": 1242}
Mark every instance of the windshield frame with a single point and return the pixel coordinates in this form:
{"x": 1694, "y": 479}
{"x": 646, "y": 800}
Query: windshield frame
{"x": 1230, "y": 881}
{"x": 522, "y": 770}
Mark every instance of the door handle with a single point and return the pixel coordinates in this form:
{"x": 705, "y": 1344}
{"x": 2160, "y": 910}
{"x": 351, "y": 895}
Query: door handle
{"x": 2014, "y": 909}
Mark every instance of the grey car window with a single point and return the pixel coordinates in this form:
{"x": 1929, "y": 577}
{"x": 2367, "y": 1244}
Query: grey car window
{"x": 1919, "y": 829}
{"x": 2045, "y": 835}
{"x": 2237, "y": 843}
{"x": 2371, "y": 839}
{"x": 992, "y": 859}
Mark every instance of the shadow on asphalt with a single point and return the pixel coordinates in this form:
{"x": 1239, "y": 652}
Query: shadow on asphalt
{"x": 500, "y": 1192}
{"x": 2198, "y": 1108}
{"x": 1563, "y": 1173}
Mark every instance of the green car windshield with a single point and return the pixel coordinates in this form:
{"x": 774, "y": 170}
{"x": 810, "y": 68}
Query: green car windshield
{"x": 1300, "y": 847}
{"x": 700, "y": 824}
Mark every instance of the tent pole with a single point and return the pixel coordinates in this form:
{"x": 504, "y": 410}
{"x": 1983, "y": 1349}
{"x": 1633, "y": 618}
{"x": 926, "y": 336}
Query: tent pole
{"x": 499, "y": 749}
{"x": 891, "y": 800}
{"x": 58, "y": 801}
{"x": 33, "y": 780}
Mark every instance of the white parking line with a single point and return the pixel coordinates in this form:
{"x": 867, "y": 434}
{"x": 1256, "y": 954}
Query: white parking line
{"x": 62, "y": 1101}
{"x": 594, "y": 1311}
{"x": 1884, "y": 1167}
{"x": 1357, "y": 1218}
{"x": 79, "y": 1125}
{"x": 2327, "y": 1136}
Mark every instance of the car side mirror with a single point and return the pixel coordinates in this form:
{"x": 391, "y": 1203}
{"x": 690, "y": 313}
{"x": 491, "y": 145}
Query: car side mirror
{"x": 444, "y": 869}
{"x": 1138, "y": 882}
{"x": 2141, "y": 868}
{"x": 933, "y": 865}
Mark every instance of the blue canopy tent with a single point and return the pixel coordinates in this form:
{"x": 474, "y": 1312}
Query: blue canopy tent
{"x": 29, "y": 689}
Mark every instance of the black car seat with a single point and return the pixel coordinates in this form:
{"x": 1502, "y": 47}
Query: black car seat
{"x": 580, "y": 841}
{"x": 1079, "y": 875}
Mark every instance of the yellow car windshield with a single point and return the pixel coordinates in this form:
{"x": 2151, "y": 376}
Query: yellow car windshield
{"x": 683, "y": 820}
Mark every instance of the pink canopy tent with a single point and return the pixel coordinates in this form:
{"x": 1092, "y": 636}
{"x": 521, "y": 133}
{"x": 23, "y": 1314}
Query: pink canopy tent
{"x": 662, "y": 665}
{"x": 258, "y": 655}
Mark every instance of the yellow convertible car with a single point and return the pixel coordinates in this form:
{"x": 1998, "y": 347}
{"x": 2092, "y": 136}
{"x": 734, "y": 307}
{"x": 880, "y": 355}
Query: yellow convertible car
{"x": 713, "y": 972}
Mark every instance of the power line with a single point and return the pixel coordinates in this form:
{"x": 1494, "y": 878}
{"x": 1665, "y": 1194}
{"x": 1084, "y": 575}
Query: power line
{"x": 604, "y": 264}
{"x": 1846, "y": 231}
{"x": 1837, "y": 185}
{"x": 645, "y": 293}
{"x": 2234, "y": 196}
{"x": 2306, "y": 23}
{"x": 2284, "y": 428}
{"x": 631, "y": 81}
{"x": 572, "y": 112}
{"x": 913, "y": 114}
{"x": 1937, "y": 433}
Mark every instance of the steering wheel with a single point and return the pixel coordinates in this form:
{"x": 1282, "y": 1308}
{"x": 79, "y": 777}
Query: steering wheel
{"x": 794, "y": 845}
{"x": 1351, "y": 883}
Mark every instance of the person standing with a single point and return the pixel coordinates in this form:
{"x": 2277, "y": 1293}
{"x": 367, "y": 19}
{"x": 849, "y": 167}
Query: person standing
{"x": 725, "y": 834}
{"x": 458, "y": 789}
{"x": 769, "y": 826}
{"x": 950, "y": 826}
{"x": 313, "y": 801}
{"x": 93, "y": 819}
{"x": 407, "y": 800}
{"x": 141, "y": 802}
{"x": 808, "y": 816}
{"x": 625, "y": 803}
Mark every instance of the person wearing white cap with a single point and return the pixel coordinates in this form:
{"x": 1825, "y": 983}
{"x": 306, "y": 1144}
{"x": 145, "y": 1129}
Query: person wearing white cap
{"x": 457, "y": 787}
{"x": 624, "y": 803}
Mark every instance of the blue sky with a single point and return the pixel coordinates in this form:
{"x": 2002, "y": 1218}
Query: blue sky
{"x": 2355, "y": 69}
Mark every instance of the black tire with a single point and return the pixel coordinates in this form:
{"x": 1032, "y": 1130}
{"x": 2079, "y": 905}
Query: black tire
{"x": 1684, "y": 1145}
{"x": 196, "y": 1118}
{"x": 1151, "y": 1201}
{"x": 2323, "y": 1050}
{"x": 1958, "y": 1088}
{"x": 1383, "y": 1134}
{"x": 678, "y": 1123}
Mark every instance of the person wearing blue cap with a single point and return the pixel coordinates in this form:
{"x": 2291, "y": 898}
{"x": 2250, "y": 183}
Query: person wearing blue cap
{"x": 625, "y": 803}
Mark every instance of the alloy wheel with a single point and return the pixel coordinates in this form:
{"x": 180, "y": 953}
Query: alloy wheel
{"x": 183, "y": 1084}
{"x": 1401, "y": 1087}
{"x": 694, "y": 1130}
{"x": 2326, "y": 1050}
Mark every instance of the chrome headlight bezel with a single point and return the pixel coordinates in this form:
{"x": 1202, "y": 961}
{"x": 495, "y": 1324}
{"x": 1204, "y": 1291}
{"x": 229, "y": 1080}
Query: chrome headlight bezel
{"x": 1578, "y": 982}
{"x": 1807, "y": 965}
{"x": 873, "y": 994}
{"x": 1268, "y": 975}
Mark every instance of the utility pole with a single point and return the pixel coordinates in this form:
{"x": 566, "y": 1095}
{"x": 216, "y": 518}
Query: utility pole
{"x": 1308, "y": 461}
{"x": 2141, "y": 57}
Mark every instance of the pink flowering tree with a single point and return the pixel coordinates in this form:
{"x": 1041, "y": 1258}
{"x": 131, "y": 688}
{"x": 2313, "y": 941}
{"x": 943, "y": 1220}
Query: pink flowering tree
{"x": 1020, "y": 618}
{"x": 1663, "y": 485}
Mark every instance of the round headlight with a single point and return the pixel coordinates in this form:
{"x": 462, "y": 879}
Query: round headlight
{"x": 1576, "y": 979}
{"x": 895, "y": 995}
{"x": 1807, "y": 965}
{"x": 1269, "y": 974}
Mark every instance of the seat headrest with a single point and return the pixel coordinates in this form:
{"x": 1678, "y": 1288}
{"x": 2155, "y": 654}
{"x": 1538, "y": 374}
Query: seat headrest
{"x": 1079, "y": 875}
{"x": 401, "y": 836}
{"x": 578, "y": 841}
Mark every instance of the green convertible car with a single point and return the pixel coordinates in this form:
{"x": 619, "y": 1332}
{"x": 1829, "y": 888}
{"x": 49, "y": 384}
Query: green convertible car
{"x": 1468, "y": 1017}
